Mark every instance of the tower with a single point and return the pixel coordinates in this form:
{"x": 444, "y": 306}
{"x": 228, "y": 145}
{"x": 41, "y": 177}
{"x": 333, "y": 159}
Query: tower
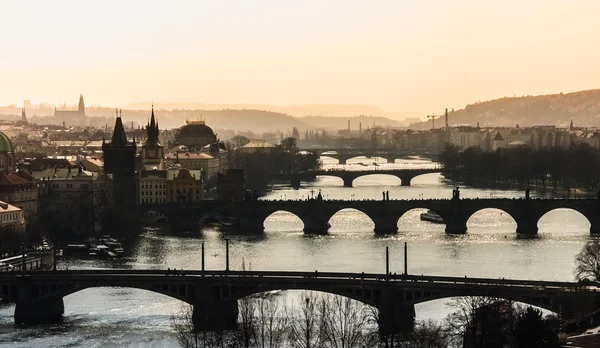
{"x": 119, "y": 160}
{"x": 81, "y": 107}
{"x": 23, "y": 116}
{"x": 152, "y": 150}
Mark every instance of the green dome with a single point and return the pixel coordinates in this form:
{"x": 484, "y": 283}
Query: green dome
{"x": 5, "y": 143}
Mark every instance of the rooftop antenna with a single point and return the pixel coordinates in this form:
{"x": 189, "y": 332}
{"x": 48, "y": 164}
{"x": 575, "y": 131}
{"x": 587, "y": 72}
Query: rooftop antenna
{"x": 432, "y": 117}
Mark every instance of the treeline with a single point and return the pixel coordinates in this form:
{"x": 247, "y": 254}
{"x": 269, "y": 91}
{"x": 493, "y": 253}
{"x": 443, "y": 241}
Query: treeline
{"x": 575, "y": 167}
{"x": 326, "y": 321}
{"x": 263, "y": 166}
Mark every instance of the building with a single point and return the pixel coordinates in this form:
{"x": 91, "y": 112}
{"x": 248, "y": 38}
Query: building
{"x": 195, "y": 135}
{"x": 258, "y": 146}
{"x": 184, "y": 185}
{"x": 119, "y": 161}
{"x": 69, "y": 196}
{"x": 19, "y": 190}
{"x": 203, "y": 161}
{"x": 73, "y": 116}
{"x": 7, "y": 154}
{"x": 11, "y": 216}
{"x": 153, "y": 186}
{"x": 153, "y": 156}
{"x": 230, "y": 186}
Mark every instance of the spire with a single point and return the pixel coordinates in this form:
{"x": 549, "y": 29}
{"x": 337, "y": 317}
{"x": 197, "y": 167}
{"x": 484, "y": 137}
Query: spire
{"x": 81, "y": 104}
{"x": 23, "y": 116}
{"x": 571, "y": 125}
{"x": 119, "y": 137}
{"x": 152, "y": 130}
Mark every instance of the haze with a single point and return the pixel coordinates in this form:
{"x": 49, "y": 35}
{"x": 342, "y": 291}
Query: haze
{"x": 412, "y": 57}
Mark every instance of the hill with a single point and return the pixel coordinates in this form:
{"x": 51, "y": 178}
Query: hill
{"x": 552, "y": 109}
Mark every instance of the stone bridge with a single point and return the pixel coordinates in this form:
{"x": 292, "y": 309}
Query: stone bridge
{"x": 214, "y": 294}
{"x": 315, "y": 214}
{"x": 348, "y": 176}
{"x": 344, "y": 154}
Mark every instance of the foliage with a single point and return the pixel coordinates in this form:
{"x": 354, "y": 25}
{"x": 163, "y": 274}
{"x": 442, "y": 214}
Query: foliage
{"x": 576, "y": 166}
{"x": 532, "y": 330}
{"x": 587, "y": 262}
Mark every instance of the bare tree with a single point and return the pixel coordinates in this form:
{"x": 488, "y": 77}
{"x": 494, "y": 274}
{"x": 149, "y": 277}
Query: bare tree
{"x": 427, "y": 334}
{"x": 271, "y": 326}
{"x": 189, "y": 337}
{"x": 478, "y": 320}
{"x": 587, "y": 262}
{"x": 344, "y": 322}
{"x": 246, "y": 331}
{"x": 305, "y": 330}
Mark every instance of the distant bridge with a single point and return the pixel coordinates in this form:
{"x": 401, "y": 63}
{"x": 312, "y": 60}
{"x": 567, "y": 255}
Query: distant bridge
{"x": 214, "y": 294}
{"x": 348, "y": 176}
{"x": 343, "y": 154}
{"x": 315, "y": 214}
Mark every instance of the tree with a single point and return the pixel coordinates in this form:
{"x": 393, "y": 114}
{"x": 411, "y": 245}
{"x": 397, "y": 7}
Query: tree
{"x": 271, "y": 323}
{"x": 343, "y": 322}
{"x": 532, "y": 330}
{"x": 189, "y": 337}
{"x": 479, "y": 321}
{"x": 587, "y": 262}
{"x": 239, "y": 141}
{"x": 305, "y": 331}
{"x": 427, "y": 334}
{"x": 295, "y": 133}
{"x": 289, "y": 145}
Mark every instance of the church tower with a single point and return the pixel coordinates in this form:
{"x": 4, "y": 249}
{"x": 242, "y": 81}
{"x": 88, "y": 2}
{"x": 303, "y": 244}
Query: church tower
{"x": 81, "y": 107}
{"x": 23, "y": 116}
{"x": 152, "y": 150}
{"x": 119, "y": 160}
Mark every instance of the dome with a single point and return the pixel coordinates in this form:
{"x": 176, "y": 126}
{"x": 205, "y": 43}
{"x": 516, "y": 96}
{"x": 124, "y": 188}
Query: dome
{"x": 195, "y": 134}
{"x": 5, "y": 143}
{"x": 196, "y": 130}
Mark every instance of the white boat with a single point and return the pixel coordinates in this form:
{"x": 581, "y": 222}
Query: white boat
{"x": 431, "y": 216}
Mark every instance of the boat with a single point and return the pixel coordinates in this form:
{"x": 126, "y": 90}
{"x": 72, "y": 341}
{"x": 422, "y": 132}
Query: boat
{"x": 431, "y": 216}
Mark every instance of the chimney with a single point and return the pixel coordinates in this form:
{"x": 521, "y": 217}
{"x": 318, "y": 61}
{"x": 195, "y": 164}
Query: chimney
{"x": 446, "y": 115}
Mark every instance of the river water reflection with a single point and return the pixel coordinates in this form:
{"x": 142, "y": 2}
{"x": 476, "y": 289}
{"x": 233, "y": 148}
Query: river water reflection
{"x": 117, "y": 317}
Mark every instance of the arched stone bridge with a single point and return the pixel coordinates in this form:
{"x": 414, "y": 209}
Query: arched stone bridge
{"x": 348, "y": 176}
{"x": 250, "y": 216}
{"x": 343, "y": 154}
{"x": 214, "y": 294}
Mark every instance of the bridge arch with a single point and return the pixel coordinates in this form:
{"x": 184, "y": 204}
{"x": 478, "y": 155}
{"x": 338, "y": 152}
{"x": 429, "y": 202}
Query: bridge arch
{"x": 568, "y": 219}
{"x": 374, "y": 179}
{"x": 541, "y": 302}
{"x": 427, "y": 178}
{"x": 350, "y": 219}
{"x": 283, "y": 220}
{"x": 493, "y": 220}
{"x": 411, "y": 221}
{"x": 366, "y": 297}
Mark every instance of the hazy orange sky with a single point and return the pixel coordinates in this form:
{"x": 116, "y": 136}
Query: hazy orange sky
{"x": 414, "y": 57}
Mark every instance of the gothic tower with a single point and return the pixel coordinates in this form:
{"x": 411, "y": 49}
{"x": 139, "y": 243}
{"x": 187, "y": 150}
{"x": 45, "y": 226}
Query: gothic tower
{"x": 81, "y": 107}
{"x": 152, "y": 150}
{"x": 119, "y": 160}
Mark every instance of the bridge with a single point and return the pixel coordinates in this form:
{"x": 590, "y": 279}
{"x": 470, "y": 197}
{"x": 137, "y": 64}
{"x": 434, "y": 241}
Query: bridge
{"x": 348, "y": 176}
{"x": 214, "y": 294}
{"x": 315, "y": 214}
{"x": 343, "y": 154}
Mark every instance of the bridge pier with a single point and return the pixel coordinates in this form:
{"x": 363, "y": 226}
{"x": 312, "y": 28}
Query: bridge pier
{"x": 348, "y": 181}
{"x": 342, "y": 159}
{"x": 527, "y": 228}
{"x": 405, "y": 180}
{"x": 394, "y": 319}
{"x": 29, "y": 311}
{"x": 456, "y": 225}
{"x": 251, "y": 223}
{"x": 295, "y": 182}
{"x": 385, "y": 225}
{"x": 314, "y": 225}
{"x": 391, "y": 160}
{"x": 215, "y": 315}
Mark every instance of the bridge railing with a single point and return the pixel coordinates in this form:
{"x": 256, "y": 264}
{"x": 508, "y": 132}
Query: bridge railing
{"x": 314, "y": 274}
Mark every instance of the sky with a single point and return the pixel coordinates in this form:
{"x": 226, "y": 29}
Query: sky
{"x": 411, "y": 57}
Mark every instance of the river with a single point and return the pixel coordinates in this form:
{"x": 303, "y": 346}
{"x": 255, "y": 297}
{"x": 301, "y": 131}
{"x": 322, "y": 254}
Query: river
{"x": 120, "y": 317}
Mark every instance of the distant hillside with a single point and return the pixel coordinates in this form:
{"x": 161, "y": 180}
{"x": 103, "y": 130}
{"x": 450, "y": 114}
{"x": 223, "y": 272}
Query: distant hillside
{"x": 553, "y": 109}
{"x": 337, "y": 123}
{"x": 333, "y": 110}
